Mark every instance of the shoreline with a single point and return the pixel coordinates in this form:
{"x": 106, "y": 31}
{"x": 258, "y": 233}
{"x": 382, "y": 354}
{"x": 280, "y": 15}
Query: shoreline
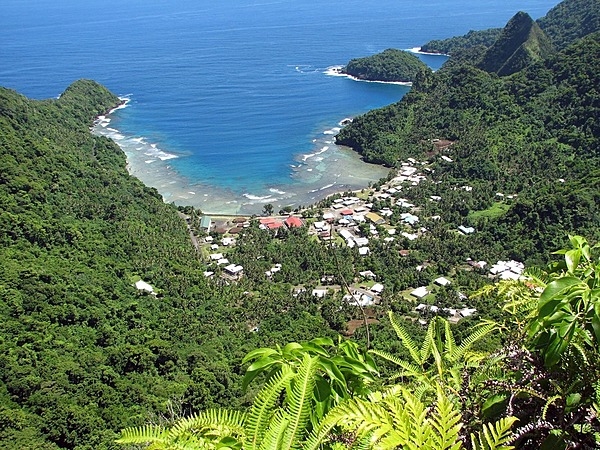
{"x": 336, "y": 71}
{"x": 327, "y": 169}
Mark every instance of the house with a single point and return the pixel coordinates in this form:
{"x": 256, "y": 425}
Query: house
{"x": 222, "y": 261}
{"x": 409, "y": 236}
{"x": 321, "y": 226}
{"x": 227, "y": 241}
{"x": 441, "y": 281}
{"x": 347, "y": 235}
{"x": 367, "y": 274}
{"x": 423, "y": 307}
{"x": 208, "y": 274}
{"x": 293, "y": 222}
{"x": 328, "y": 216}
{"x": 409, "y": 219}
{"x": 466, "y": 230}
{"x": 216, "y": 256}
{"x": 205, "y": 223}
{"x": 346, "y": 212}
{"x": 467, "y": 312}
{"x": 363, "y": 251}
{"x": 447, "y": 159}
{"x": 360, "y": 299}
{"x": 319, "y": 293}
{"x": 361, "y": 241}
{"x": 274, "y": 225}
{"x": 143, "y": 286}
{"x": 377, "y": 288}
{"x": 208, "y": 239}
{"x": 375, "y": 218}
{"x": 234, "y": 270}
{"x": 420, "y": 292}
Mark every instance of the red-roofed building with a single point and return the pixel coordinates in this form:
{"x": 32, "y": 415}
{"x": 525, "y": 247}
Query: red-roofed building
{"x": 293, "y": 222}
{"x": 346, "y": 212}
{"x": 267, "y": 220}
{"x": 274, "y": 225}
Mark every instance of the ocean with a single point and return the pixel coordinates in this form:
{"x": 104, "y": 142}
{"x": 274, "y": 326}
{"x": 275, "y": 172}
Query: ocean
{"x": 231, "y": 104}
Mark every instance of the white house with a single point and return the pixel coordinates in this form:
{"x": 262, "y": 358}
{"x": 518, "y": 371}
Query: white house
{"x": 442, "y": 281}
{"x": 420, "y": 292}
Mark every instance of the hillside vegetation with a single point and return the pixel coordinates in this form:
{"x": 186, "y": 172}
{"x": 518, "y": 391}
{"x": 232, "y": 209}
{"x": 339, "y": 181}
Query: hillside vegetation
{"x": 563, "y": 24}
{"x": 84, "y": 353}
{"x": 389, "y": 65}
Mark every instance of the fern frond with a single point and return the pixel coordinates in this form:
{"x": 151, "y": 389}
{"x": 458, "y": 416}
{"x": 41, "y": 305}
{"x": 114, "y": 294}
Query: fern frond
{"x": 446, "y": 422}
{"x": 494, "y": 436}
{"x": 363, "y": 418}
{"x": 298, "y": 402}
{"x": 406, "y": 339}
{"x": 273, "y": 437}
{"x": 478, "y": 334}
{"x": 537, "y": 276}
{"x": 142, "y": 435}
{"x": 408, "y": 369}
{"x": 449, "y": 342}
{"x": 263, "y": 407}
{"x": 549, "y": 402}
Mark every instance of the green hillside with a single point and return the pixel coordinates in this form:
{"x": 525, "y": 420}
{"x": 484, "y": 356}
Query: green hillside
{"x": 520, "y": 44}
{"x": 540, "y": 124}
{"x": 82, "y": 351}
{"x": 389, "y": 65}
{"x": 563, "y": 24}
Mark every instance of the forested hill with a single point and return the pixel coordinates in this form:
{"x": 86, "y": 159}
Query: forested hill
{"x": 82, "y": 351}
{"x": 520, "y": 44}
{"x": 535, "y": 133}
{"x": 565, "y": 23}
{"x": 389, "y": 65}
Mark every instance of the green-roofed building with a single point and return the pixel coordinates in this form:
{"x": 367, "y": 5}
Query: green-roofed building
{"x": 205, "y": 223}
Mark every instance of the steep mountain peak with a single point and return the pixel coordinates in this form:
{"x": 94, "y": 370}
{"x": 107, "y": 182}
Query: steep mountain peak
{"x": 521, "y": 43}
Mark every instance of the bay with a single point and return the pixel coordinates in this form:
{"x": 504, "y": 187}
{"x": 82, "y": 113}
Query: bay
{"x": 230, "y": 105}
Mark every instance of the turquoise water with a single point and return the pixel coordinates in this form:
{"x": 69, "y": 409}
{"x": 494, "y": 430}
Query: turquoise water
{"x": 230, "y": 103}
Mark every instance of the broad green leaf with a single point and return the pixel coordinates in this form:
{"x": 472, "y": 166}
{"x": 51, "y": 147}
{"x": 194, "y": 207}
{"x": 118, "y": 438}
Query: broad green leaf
{"x": 555, "y": 288}
{"x": 572, "y": 258}
{"x": 315, "y": 349}
{"x": 258, "y": 353}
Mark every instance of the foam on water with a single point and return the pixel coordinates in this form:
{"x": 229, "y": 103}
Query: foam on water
{"x": 336, "y": 71}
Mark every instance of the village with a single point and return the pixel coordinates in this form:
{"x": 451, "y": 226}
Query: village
{"x": 356, "y": 220}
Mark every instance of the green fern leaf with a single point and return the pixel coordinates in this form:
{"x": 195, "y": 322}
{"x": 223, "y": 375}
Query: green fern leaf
{"x": 263, "y": 407}
{"x": 494, "y": 436}
{"x": 299, "y": 401}
{"x": 142, "y": 435}
{"x": 406, "y": 339}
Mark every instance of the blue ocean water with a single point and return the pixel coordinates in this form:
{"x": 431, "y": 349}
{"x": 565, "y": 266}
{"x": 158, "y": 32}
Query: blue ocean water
{"x": 230, "y": 102}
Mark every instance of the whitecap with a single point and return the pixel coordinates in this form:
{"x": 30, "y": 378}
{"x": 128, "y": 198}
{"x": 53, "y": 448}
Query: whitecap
{"x": 327, "y": 186}
{"x": 335, "y": 71}
{"x": 259, "y": 198}
{"x": 334, "y": 130}
{"x": 276, "y": 191}
{"x": 418, "y": 51}
{"x": 148, "y": 161}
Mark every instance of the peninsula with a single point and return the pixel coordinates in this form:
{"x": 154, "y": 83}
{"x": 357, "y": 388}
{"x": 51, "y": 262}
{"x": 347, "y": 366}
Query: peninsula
{"x": 391, "y": 65}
